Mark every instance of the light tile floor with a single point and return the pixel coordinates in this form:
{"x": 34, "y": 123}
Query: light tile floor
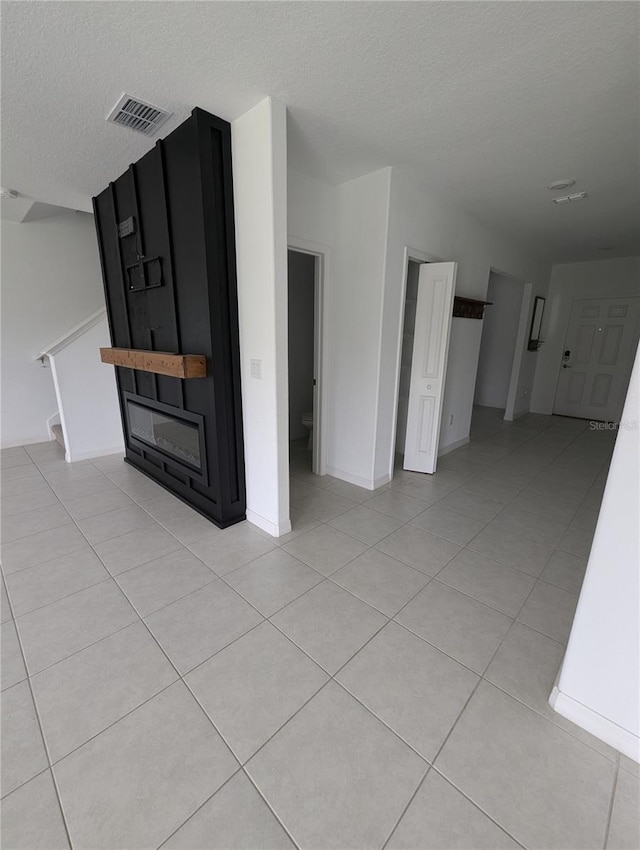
{"x": 376, "y": 678}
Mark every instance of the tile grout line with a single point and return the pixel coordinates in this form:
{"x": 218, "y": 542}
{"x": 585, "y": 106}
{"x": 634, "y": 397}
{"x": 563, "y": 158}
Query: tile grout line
{"x": 406, "y": 808}
{"x": 77, "y": 651}
{"x": 321, "y": 522}
{"x": 323, "y": 577}
{"x": 44, "y": 770}
{"x": 450, "y": 732}
{"x": 456, "y": 721}
{"x": 482, "y": 675}
{"x": 216, "y": 576}
{"x": 479, "y": 807}
{"x": 178, "y": 678}
{"x": 260, "y": 613}
{"x": 332, "y": 677}
{"x": 213, "y": 571}
{"x": 42, "y": 735}
{"x": 614, "y": 789}
{"x": 182, "y": 679}
{"x": 243, "y": 763}
{"x": 62, "y": 598}
{"x": 114, "y": 576}
{"x": 201, "y": 806}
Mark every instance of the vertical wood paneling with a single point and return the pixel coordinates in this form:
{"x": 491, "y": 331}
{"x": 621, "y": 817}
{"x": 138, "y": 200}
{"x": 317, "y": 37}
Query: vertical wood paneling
{"x": 168, "y": 259}
{"x": 180, "y": 195}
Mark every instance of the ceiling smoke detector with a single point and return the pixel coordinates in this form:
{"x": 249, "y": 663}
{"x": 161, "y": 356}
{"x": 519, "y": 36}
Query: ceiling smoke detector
{"x": 559, "y": 185}
{"x": 568, "y": 199}
{"x": 138, "y": 115}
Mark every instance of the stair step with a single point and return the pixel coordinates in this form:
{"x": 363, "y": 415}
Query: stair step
{"x": 56, "y": 430}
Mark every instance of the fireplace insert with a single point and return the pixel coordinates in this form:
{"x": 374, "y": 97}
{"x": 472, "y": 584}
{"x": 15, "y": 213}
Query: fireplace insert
{"x": 168, "y": 433}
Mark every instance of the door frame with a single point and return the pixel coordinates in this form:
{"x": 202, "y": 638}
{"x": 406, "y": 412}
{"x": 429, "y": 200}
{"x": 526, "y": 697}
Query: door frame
{"x": 321, "y": 253}
{"x": 418, "y": 256}
{"x": 518, "y": 351}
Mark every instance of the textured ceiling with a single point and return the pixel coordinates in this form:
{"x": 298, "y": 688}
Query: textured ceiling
{"x": 486, "y": 102}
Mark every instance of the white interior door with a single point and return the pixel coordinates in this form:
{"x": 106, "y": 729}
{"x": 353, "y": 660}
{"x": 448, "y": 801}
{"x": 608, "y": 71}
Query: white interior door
{"x": 601, "y": 341}
{"x": 436, "y": 285}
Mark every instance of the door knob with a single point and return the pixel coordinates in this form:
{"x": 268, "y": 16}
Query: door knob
{"x": 566, "y": 366}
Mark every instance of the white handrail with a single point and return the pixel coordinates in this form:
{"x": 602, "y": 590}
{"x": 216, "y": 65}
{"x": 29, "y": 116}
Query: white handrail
{"x": 75, "y": 332}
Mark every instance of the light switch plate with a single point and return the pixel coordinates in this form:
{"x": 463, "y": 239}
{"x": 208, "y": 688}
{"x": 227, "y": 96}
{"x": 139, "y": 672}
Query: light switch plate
{"x": 256, "y": 369}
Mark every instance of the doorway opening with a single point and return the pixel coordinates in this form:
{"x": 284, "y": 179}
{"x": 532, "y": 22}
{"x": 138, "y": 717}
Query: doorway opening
{"x": 406, "y": 355}
{"x": 305, "y": 359}
{"x": 496, "y": 396}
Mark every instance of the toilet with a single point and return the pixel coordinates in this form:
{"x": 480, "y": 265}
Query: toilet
{"x": 307, "y": 421}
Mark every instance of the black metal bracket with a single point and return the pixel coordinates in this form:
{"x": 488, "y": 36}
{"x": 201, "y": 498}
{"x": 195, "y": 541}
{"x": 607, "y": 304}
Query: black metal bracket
{"x": 145, "y": 274}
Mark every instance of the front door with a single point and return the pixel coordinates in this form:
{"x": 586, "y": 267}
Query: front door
{"x": 436, "y": 285}
{"x": 598, "y": 353}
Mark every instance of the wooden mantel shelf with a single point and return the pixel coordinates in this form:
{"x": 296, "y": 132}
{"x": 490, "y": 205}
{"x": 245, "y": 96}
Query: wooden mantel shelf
{"x": 159, "y": 362}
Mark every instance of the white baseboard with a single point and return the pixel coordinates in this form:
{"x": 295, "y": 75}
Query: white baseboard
{"x": 108, "y": 450}
{"x": 367, "y": 483}
{"x": 272, "y": 528}
{"x": 606, "y": 730}
{"x": 26, "y": 441}
{"x": 453, "y": 446}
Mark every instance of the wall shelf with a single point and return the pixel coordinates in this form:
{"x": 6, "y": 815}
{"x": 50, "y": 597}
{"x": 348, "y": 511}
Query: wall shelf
{"x": 158, "y": 362}
{"x": 468, "y": 308}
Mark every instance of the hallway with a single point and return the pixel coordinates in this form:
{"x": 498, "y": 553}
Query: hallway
{"x": 376, "y": 678}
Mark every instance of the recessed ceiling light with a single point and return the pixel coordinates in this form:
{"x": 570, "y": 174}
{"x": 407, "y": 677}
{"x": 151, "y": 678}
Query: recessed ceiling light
{"x": 567, "y": 199}
{"x": 559, "y": 185}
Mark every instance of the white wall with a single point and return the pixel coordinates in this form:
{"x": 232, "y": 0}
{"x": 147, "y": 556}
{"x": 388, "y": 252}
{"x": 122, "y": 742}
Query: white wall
{"x": 301, "y": 271}
{"x": 423, "y": 221}
{"x": 596, "y": 279}
{"x": 311, "y": 212}
{"x": 86, "y": 388}
{"x": 348, "y": 224}
{"x": 497, "y": 346}
{"x": 367, "y": 224}
{"x": 362, "y": 208}
{"x": 599, "y": 683}
{"x": 260, "y": 195}
{"x": 311, "y": 208}
{"x": 51, "y": 281}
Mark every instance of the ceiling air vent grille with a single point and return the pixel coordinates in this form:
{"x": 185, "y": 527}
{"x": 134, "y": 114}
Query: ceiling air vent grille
{"x": 138, "y": 115}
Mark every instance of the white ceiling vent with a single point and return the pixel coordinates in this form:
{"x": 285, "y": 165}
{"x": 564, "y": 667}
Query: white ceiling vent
{"x": 138, "y": 115}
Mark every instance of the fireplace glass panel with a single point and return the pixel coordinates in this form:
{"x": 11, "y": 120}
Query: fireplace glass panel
{"x": 170, "y": 435}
